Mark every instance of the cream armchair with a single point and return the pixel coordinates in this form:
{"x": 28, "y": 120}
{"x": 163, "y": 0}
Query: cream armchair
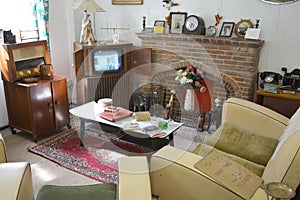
{"x": 15, "y": 178}
{"x": 174, "y": 177}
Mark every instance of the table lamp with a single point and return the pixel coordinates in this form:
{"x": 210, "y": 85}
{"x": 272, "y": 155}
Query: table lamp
{"x": 87, "y": 35}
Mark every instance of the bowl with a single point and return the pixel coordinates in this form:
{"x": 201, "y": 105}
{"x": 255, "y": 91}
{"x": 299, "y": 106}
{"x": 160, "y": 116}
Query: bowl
{"x": 279, "y": 190}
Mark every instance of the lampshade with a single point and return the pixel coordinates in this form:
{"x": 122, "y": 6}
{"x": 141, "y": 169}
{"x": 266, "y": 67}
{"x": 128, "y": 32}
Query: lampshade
{"x": 89, "y": 5}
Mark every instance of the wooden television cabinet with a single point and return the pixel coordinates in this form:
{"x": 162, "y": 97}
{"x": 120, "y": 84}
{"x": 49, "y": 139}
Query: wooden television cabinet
{"x": 91, "y": 86}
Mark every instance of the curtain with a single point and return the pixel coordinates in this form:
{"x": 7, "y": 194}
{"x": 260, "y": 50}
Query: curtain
{"x": 40, "y": 10}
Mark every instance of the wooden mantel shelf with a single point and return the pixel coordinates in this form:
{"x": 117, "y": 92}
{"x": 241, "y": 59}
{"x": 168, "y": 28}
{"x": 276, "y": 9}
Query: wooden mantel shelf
{"x": 228, "y": 41}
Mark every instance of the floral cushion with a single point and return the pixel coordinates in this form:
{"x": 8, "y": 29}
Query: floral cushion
{"x": 204, "y": 149}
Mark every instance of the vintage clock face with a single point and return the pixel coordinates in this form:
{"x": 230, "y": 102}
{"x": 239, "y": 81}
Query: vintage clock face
{"x": 211, "y": 30}
{"x": 193, "y": 25}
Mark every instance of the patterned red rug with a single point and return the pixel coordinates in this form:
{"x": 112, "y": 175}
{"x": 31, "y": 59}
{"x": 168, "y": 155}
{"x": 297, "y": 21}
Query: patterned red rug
{"x": 97, "y": 159}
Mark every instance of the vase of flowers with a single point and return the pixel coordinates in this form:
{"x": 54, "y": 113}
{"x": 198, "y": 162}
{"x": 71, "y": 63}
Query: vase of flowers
{"x": 192, "y": 79}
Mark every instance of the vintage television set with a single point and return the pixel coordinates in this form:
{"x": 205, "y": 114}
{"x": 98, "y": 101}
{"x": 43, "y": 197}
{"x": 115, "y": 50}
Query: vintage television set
{"x": 23, "y": 60}
{"x": 101, "y": 60}
{"x": 100, "y": 67}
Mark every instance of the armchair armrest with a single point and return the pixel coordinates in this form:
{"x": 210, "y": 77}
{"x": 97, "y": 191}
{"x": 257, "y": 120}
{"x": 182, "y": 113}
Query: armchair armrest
{"x": 173, "y": 176}
{"x": 254, "y": 117}
{"x": 3, "y": 158}
{"x": 15, "y": 181}
{"x": 134, "y": 180}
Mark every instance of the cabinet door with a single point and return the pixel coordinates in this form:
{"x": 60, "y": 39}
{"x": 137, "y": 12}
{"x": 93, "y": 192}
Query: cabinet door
{"x": 60, "y": 101}
{"x": 42, "y": 108}
{"x": 18, "y": 106}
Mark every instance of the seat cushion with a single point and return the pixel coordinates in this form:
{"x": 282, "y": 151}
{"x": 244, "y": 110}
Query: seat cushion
{"x": 106, "y": 191}
{"x": 204, "y": 149}
{"x": 236, "y": 140}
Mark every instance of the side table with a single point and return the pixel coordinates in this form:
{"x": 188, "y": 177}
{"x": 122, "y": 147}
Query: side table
{"x": 285, "y": 104}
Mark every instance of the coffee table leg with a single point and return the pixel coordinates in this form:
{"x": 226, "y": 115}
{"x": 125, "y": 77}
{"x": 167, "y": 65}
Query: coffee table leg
{"x": 171, "y": 138}
{"x": 81, "y": 132}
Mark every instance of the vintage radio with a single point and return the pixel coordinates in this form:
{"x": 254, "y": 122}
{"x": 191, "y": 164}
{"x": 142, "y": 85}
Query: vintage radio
{"x": 23, "y": 60}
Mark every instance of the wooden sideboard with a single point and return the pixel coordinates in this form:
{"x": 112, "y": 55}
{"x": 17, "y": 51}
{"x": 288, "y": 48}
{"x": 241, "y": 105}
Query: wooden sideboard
{"x": 37, "y": 108}
{"x": 286, "y": 104}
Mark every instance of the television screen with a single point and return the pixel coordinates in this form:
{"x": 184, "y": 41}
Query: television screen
{"x": 107, "y": 60}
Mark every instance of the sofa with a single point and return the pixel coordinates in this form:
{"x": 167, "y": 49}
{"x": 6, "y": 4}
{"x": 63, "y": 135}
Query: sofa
{"x": 173, "y": 174}
{"x": 15, "y": 178}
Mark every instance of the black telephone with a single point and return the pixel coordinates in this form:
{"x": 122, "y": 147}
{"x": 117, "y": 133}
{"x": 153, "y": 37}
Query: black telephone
{"x": 270, "y": 77}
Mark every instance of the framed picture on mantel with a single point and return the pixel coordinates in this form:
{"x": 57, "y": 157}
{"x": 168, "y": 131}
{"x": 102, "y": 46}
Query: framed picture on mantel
{"x": 127, "y": 2}
{"x": 177, "y": 20}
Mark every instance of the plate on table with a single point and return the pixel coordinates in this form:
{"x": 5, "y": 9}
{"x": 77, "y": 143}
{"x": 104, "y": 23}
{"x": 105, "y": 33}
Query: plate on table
{"x": 105, "y": 101}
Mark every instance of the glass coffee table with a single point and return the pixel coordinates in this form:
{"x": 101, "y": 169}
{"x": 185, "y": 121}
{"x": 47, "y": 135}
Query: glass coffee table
{"x": 90, "y": 111}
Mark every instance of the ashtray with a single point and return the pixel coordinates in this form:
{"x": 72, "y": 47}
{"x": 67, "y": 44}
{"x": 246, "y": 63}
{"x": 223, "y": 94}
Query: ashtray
{"x": 30, "y": 80}
{"x": 279, "y": 190}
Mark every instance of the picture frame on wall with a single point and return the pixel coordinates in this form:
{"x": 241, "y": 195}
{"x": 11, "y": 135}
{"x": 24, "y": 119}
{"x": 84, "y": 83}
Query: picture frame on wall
{"x": 227, "y": 29}
{"x": 177, "y": 20}
{"x": 127, "y": 2}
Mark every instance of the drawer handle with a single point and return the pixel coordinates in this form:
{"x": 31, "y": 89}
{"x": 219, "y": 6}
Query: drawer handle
{"x": 50, "y": 105}
{"x": 57, "y": 102}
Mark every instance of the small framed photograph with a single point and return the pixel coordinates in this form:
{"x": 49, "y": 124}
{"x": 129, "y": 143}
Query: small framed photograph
{"x": 126, "y": 2}
{"x": 227, "y": 28}
{"x": 159, "y": 23}
{"x": 177, "y": 20}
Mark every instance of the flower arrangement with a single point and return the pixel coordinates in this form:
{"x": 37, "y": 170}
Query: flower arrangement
{"x": 191, "y": 78}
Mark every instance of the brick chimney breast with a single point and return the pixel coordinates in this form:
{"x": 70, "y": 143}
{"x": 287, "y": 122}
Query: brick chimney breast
{"x": 233, "y": 60}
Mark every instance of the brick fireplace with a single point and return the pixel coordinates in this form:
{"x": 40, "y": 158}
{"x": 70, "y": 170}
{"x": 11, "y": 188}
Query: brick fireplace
{"x": 231, "y": 63}
{"x": 233, "y": 60}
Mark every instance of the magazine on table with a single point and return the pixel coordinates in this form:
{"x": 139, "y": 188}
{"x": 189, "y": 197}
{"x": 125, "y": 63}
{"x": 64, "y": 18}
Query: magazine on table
{"x": 153, "y": 131}
{"x": 131, "y": 125}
